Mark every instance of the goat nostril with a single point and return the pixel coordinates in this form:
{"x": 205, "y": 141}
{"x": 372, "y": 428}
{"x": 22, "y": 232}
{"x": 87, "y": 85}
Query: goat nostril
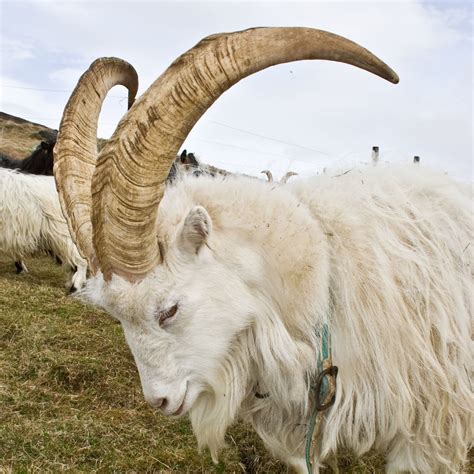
{"x": 160, "y": 403}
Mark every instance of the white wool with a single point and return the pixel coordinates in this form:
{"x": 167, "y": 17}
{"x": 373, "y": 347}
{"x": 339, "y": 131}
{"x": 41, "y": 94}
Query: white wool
{"x": 383, "y": 255}
{"x": 31, "y": 221}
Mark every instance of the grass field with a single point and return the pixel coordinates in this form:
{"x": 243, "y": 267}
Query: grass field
{"x": 71, "y": 399}
{"x": 19, "y": 137}
{"x": 18, "y": 140}
{"x": 70, "y": 395}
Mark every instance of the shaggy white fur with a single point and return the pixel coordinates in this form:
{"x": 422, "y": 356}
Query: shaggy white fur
{"x": 31, "y": 221}
{"x": 382, "y": 255}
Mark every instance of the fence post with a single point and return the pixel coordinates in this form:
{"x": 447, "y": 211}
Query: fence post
{"x": 375, "y": 155}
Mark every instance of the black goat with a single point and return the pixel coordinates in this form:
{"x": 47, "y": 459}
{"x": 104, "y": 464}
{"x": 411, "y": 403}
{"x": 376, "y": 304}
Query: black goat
{"x": 39, "y": 162}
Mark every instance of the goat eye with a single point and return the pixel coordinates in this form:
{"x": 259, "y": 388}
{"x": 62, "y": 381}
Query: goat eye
{"x": 162, "y": 316}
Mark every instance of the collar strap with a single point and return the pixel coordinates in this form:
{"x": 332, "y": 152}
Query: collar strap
{"x": 325, "y": 395}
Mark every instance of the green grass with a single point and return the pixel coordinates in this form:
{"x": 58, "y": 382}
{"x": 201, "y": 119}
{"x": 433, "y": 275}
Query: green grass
{"x": 71, "y": 400}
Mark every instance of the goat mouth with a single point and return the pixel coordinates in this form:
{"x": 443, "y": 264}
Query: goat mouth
{"x": 181, "y": 409}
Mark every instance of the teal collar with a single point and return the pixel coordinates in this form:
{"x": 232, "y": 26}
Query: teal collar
{"x": 324, "y": 389}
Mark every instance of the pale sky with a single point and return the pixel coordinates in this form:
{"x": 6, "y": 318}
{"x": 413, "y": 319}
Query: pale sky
{"x": 301, "y": 116}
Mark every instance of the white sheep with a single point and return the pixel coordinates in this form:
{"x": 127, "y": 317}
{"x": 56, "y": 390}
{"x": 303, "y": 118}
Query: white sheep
{"x": 31, "y": 222}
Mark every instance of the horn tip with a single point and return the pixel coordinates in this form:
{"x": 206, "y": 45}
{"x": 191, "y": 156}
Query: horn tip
{"x": 392, "y": 77}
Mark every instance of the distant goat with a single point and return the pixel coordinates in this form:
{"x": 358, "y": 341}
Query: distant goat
{"x": 187, "y": 163}
{"x": 31, "y": 222}
{"x": 284, "y": 178}
{"x": 40, "y": 161}
{"x": 184, "y": 163}
{"x": 287, "y": 176}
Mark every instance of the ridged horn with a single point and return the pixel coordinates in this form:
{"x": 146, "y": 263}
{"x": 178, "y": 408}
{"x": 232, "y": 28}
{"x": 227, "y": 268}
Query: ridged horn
{"x": 287, "y": 176}
{"x": 128, "y": 183}
{"x": 75, "y": 151}
{"x": 269, "y": 175}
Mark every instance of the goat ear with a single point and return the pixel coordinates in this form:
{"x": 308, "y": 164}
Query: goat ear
{"x": 196, "y": 229}
{"x": 192, "y": 160}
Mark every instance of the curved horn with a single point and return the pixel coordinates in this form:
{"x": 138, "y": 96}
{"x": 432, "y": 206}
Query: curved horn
{"x": 75, "y": 152}
{"x": 128, "y": 183}
{"x": 269, "y": 175}
{"x": 287, "y": 176}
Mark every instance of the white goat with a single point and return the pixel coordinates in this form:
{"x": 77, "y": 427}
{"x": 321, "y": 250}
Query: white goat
{"x": 284, "y": 179}
{"x": 223, "y": 286}
{"x": 31, "y": 221}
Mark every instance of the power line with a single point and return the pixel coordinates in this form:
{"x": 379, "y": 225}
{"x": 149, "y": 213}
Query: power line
{"x": 35, "y": 88}
{"x": 242, "y": 148}
{"x": 268, "y": 138}
{"x": 43, "y": 119}
{"x": 52, "y": 90}
{"x": 221, "y": 124}
{"x": 228, "y": 145}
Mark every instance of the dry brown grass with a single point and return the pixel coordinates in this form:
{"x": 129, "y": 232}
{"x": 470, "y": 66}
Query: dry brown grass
{"x": 71, "y": 399}
{"x": 17, "y": 140}
{"x": 70, "y": 394}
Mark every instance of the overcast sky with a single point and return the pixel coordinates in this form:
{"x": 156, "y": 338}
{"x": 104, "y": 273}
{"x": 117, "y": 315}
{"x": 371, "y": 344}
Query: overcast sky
{"x": 301, "y": 116}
